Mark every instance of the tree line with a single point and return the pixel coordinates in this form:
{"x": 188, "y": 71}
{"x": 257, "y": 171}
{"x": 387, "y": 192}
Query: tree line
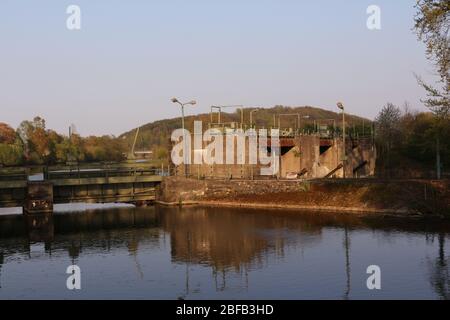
{"x": 33, "y": 144}
{"x": 406, "y": 143}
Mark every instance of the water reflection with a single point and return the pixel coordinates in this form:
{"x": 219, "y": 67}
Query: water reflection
{"x": 346, "y": 244}
{"x": 439, "y": 269}
{"x": 2, "y": 260}
{"x": 226, "y": 241}
{"x": 242, "y": 249}
{"x": 40, "y": 228}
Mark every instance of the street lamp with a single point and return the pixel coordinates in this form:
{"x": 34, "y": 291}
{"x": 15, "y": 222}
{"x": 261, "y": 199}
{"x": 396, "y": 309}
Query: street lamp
{"x": 219, "y": 108}
{"x": 344, "y": 157}
{"x": 251, "y": 117}
{"x": 192, "y": 103}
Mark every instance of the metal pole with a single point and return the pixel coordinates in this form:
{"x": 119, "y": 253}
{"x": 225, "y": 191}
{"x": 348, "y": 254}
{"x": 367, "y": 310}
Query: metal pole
{"x": 211, "y": 114}
{"x": 251, "y": 117}
{"x": 184, "y": 140}
{"x": 344, "y": 157}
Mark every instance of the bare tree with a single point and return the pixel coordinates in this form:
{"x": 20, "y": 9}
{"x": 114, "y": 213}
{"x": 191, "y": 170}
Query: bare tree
{"x": 387, "y": 129}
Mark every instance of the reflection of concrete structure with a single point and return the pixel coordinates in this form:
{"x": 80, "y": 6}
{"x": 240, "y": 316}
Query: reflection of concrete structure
{"x": 225, "y": 240}
{"x": 40, "y": 228}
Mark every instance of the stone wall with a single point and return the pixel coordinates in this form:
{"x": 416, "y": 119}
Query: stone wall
{"x": 175, "y": 189}
{"x": 412, "y": 197}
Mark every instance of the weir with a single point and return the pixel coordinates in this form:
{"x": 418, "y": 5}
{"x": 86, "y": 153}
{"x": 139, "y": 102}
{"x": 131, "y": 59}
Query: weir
{"x": 135, "y": 185}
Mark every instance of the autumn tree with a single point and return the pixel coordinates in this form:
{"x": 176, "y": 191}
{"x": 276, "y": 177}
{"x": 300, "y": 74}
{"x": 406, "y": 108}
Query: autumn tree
{"x": 11, "y": 151}
{"x": 11, "y": 154}
{"x": 36, "y": 140}
{"x": 7, "y": 134}
{"x": 105, "y": 148}
{"x": 70, "y": 149}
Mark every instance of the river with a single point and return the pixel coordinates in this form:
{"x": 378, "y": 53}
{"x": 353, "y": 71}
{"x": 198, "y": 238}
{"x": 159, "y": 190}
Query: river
{"x": 220, "y": 253}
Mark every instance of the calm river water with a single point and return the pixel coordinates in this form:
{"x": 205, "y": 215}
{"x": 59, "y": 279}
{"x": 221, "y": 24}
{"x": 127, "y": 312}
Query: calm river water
{"x": 218, "y": 253}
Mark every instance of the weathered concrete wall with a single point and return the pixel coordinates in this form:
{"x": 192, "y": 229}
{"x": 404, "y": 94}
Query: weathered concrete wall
{"x": 175, "y": 189}
{"x": 330, "y": 159}
{"x": 240, "y": 169}
{"x": 363, "y": 195}
{"x": 39, "y": 198}
{"x": 304, "y": 155}
{"x": 363, "y": 152}
{"x": 290, "y": 162}
{"x": 360, "y": 154}
{"x": 309, "y": 154}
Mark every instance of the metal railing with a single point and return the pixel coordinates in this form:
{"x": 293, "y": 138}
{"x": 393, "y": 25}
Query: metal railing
{"x": 82, "y": 171}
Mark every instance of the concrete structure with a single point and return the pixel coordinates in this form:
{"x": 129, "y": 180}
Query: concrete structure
{"x": 39, "y": 197}
{"x": 301, "y": 156}
{"x": 95, "y": 185}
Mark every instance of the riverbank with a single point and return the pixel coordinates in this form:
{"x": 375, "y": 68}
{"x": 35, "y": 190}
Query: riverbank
{"x": 408, "y": 198}
{"x": 334, "y": 209}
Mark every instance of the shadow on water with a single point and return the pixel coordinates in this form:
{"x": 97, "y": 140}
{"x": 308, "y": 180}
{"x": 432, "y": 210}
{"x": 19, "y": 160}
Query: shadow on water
{"x": 226, "y": 240}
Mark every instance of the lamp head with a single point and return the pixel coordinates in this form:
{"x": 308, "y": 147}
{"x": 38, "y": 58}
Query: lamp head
{"x": 340, "y": 105}
{"x": 174, "y": 100}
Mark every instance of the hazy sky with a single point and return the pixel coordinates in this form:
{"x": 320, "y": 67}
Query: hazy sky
{"x": 130, "y": 57}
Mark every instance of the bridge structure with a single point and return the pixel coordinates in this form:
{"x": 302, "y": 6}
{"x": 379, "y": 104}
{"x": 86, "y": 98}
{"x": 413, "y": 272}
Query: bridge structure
{"x": 136, "y": 184}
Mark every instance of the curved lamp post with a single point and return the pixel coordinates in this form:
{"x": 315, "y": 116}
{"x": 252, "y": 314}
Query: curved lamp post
{"x": 251, "y": 117}
{"x": 192, "y": 103}
{"x": 344, "y": 157}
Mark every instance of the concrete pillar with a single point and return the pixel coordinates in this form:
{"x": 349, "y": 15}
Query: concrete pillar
{"x": 39, "y": 198}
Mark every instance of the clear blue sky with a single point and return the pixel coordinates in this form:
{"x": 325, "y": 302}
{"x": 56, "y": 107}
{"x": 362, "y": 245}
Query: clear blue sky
{"x": 130, "y": 57}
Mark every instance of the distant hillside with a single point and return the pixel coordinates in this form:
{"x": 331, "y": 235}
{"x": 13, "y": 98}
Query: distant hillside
{"x": 156, "y": 135}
